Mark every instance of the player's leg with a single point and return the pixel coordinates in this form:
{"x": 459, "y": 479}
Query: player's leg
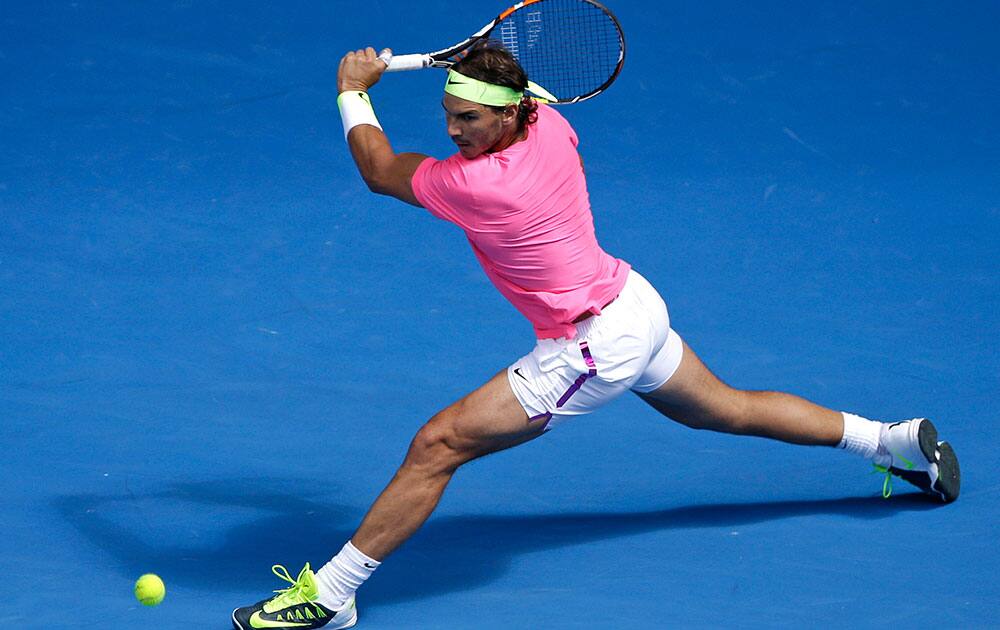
{"x": 558, "y": 380}
{"x": 697, "y": 398}
{"x": 693, "y": 396}
{"x": 489, "y": 419}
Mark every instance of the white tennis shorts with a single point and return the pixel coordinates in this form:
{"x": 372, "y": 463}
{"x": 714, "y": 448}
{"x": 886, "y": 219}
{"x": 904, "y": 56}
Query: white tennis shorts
{"x": 629, "y": 346}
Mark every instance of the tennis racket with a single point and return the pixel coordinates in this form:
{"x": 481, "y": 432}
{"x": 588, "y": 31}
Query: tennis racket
{"x": 573, "y": 49}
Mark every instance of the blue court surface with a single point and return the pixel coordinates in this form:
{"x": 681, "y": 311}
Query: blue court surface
{"x": 217, "y": 344}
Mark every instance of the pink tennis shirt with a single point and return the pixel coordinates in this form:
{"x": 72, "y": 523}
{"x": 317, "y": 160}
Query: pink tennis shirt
{"x": 526, "y": 213}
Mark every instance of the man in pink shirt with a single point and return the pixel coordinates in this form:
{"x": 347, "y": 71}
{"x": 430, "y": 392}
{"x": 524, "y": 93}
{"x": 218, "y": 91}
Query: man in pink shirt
{"x": 517, "y": 189}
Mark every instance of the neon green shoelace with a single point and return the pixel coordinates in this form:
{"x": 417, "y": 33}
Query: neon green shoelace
{"x": 887, "y": 482}
{"x": 294, "y": 594}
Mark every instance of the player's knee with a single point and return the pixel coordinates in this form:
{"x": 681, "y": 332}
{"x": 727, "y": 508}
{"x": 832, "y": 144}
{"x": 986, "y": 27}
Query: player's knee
{"x": 437, "y": 446}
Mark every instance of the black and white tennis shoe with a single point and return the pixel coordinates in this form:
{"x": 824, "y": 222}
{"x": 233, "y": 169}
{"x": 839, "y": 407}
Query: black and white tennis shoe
{"x": 911, "y": 451}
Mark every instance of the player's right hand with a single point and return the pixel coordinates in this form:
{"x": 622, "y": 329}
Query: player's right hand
{"x": 360, "y": 69}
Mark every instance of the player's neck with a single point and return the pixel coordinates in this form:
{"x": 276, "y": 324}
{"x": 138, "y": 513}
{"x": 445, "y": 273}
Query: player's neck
{"x": 507, "y": 140}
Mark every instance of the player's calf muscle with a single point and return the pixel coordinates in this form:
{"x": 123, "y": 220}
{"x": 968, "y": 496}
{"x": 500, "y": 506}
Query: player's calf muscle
{"x": 739, "y": 415}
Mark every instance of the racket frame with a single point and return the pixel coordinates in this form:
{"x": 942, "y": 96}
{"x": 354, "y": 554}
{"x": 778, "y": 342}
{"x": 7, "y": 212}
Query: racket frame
{"x": 444, "y": 58}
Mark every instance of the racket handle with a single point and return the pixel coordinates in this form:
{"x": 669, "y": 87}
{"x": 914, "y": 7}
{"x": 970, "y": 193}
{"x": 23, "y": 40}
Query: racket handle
{"x": 408, "y": 62}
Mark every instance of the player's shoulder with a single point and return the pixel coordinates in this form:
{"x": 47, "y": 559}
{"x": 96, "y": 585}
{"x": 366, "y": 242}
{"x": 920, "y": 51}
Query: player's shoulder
{"x": 453, "y": 164}
{"x": 548, "y": 112}
{"x": 550, "y": 118}
{"x": 454, "y": 174}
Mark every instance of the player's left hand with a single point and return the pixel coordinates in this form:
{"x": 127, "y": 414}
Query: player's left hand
{"x": 360, "y": 69}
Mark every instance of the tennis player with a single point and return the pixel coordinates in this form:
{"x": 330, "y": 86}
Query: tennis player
{"x": 516, "y": 187}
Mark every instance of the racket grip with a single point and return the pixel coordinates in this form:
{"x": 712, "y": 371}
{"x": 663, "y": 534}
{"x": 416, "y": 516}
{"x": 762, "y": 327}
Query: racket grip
{"x": 408, "y": 62}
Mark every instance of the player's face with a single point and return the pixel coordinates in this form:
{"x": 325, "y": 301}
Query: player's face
{"x": 475, "y": 128}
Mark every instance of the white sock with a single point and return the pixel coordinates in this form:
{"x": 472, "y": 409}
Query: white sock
{"x": 861, "y": 435}
{"x": 342, "y": 575}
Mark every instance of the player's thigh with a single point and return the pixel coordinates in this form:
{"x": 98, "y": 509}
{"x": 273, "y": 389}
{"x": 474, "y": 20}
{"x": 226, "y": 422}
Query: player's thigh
{"x": 697, "y": 398}
{"x": 487, "y": 420}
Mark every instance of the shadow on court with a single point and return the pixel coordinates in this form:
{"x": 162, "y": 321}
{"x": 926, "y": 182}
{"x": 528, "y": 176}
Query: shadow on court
{"x": 451, "y": 553}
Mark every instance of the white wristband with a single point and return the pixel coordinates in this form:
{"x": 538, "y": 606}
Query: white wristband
{"x": 356, "y": 109}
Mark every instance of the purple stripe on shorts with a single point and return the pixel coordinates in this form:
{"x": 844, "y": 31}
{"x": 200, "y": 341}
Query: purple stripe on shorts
{"x": 542, "y": 416}
{"x": 585, "y": 349}
{"x": 580, "y": 380}
{"x": 572, "y": 389}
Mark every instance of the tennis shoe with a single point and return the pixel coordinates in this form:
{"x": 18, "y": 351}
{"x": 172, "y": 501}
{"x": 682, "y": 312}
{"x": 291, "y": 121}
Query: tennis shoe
{"x": 295, "y": 607}
{"x": 910, "y": 450}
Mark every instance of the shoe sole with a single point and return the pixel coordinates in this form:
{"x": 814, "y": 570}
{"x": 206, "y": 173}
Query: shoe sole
{"x": 949, "y": 481}
{"x": 350, "y": 622}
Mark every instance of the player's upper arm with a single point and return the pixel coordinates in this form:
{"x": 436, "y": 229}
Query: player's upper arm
{"x": 395, "y": 177}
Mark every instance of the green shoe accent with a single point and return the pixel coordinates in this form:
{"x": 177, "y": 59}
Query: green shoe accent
{"x": 301, "y": 591}
{"x": 909, "y": 464}
{"x": 887, "y": 482}
{"x": 295, "y": 607}
{"x": 292, "y": 607}
{"x": 256, "y": 621}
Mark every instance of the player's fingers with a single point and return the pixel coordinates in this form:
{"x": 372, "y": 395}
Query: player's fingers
{"x": 370, "y": 53}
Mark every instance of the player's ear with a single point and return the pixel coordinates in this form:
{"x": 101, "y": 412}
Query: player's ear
{"x": 510, "y": 114}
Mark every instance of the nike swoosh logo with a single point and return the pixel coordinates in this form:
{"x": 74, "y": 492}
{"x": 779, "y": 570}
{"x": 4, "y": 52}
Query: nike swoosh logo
{"x": 369, "y": 566}
{"x": 454, "y": 82}
{"x": 256, "y": 621}
{"x": 518, "y": 372}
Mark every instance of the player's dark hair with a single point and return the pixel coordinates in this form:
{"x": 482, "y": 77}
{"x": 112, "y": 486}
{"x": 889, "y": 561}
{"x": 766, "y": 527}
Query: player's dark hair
{"x": 492, "y": 63}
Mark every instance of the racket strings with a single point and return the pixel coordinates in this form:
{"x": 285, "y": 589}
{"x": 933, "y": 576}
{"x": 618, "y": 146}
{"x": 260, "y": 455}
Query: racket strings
{"x": 570, "y": 48}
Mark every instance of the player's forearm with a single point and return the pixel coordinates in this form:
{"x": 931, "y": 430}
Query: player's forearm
{"x": 373, "y": 155}
{"x": 383, "y": 170}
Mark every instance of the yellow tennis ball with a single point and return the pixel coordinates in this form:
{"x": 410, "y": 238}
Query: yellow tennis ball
{"x": 149, "y": 590}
